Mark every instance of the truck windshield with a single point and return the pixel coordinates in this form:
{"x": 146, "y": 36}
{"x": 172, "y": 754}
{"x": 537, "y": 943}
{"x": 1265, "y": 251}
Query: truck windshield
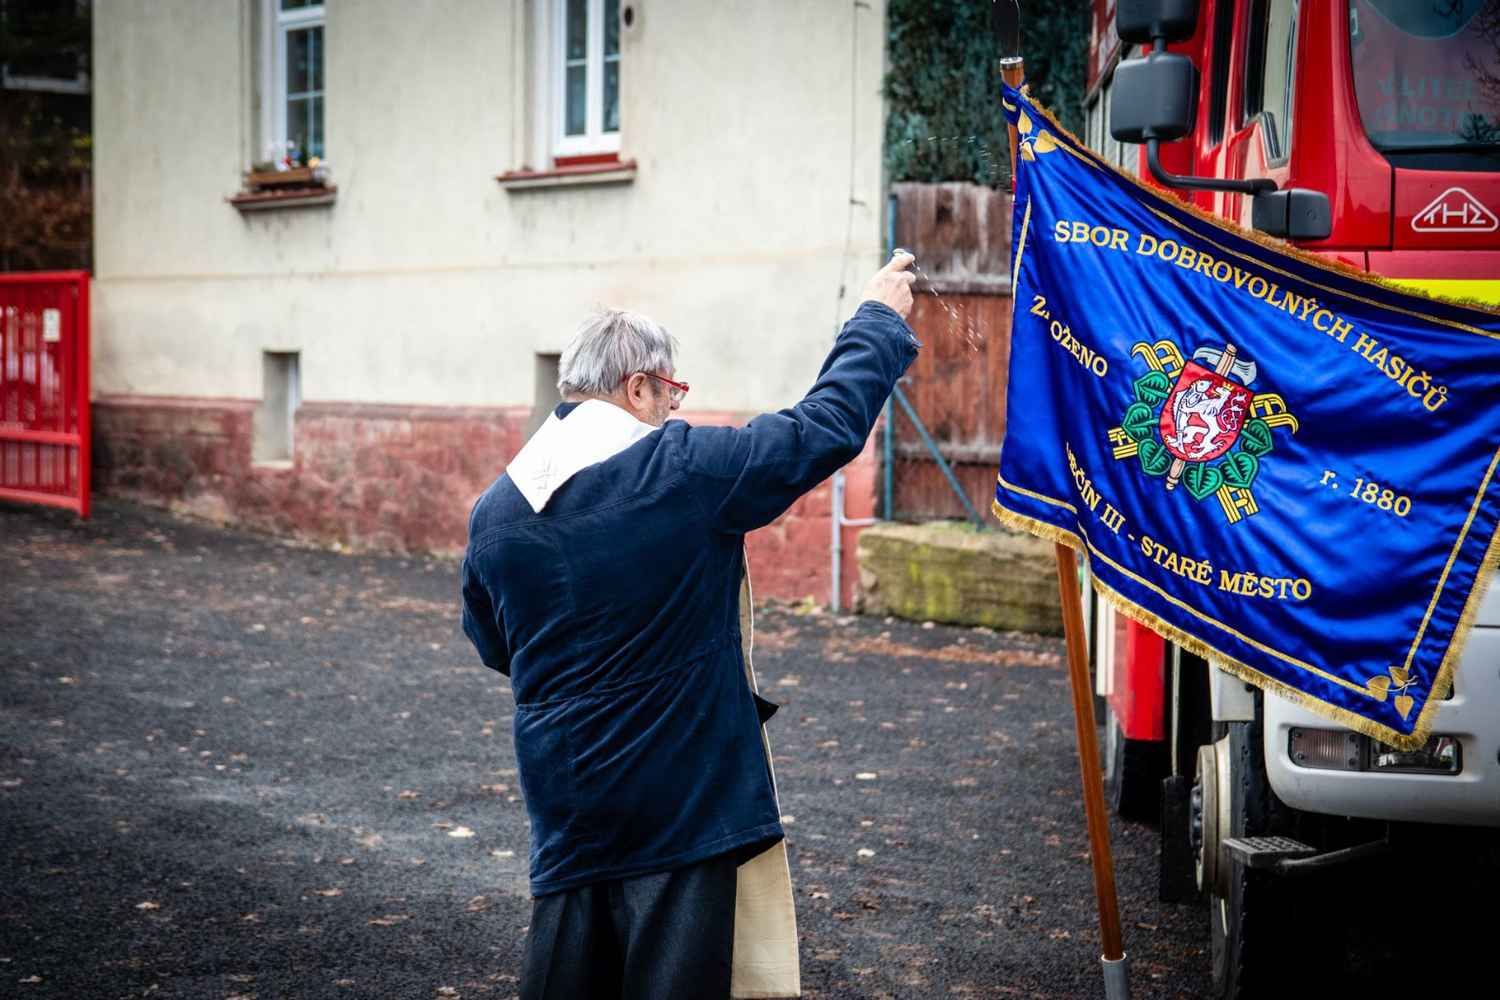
{"x": 1427, "y": 74}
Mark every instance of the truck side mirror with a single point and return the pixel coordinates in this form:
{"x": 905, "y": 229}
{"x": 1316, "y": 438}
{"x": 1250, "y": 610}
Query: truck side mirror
{"x": 1139, "y": 22}
{"x": 1154, "y": 98}
{"x": 1292, "y": 213}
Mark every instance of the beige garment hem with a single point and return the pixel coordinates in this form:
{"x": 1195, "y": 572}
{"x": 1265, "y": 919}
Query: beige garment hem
{"x": 766, "y": 962}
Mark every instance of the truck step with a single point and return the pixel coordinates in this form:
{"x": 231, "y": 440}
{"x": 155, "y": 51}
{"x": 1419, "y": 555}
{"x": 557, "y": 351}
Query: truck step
{"x": 1265, "y": 852}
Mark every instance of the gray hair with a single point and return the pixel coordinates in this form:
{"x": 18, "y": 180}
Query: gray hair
{"x": 609, "y": 346}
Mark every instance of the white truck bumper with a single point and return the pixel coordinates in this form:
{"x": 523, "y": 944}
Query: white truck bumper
{"x": 1469, "y": 798}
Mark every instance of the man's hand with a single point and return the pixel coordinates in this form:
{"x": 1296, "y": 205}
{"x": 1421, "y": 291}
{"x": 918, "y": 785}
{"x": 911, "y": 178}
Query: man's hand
{"x": 892, "y": 284}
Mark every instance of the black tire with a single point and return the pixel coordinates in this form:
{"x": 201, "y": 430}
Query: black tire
{"x": 1267, "y": 925}
{"x": 1189, "y": 718}
{"x": 1133, "y": 771}
{"x": 1192, "y": 716}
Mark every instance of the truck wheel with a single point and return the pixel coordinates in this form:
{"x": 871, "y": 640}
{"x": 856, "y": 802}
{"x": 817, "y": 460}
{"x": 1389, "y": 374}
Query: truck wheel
{"x": 1258, "y": 920}
{"x": 1134, "y": 770}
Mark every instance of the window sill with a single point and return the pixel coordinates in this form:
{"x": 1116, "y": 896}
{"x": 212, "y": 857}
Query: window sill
{"x": 305, "y": 197}
{"x": 618, "y": 172}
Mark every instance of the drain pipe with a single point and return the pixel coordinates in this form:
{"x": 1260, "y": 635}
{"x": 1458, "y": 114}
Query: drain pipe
{"x": 888, "y": 466}
{"x": 840, "y": 522}
{"x": 836, "y": 516}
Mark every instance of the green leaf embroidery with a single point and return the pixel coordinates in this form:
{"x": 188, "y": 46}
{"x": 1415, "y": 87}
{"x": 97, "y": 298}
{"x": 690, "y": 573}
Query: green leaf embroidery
{"x": 1240, "y": 469}
{"x": 1256, "y": 437}
{"x": 1202, "y": 480}
{"x": 1139, "y": 421}
{"x": 1155, "y": 459}
{"x": 1153, "y": 387}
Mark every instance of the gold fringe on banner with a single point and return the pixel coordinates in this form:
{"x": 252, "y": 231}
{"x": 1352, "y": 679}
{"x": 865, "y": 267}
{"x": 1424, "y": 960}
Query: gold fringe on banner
{"x": 1443, "y": 682}
{"x": 1125, "y": 606}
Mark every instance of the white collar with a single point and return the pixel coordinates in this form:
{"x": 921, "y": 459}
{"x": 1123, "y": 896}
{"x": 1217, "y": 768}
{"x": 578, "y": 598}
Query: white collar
{"x": 594, "y": 431}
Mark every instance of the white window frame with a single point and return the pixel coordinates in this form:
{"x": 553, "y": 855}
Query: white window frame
{"x": 46, "y": 84}
{"x": 1111, "y": 145}
{"x": 594, "y": 139}
{"x": 277, "y": 23}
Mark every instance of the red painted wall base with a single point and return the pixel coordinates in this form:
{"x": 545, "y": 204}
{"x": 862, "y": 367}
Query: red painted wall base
{"x": 397, "y": 478}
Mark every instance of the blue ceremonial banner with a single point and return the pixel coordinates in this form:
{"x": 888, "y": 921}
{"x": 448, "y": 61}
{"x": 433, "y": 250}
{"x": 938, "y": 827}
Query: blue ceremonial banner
{"x": 1276, "y": 462}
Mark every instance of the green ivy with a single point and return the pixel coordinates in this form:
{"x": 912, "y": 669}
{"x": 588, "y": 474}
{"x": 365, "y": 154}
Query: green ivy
{"x": 943, "y": 89}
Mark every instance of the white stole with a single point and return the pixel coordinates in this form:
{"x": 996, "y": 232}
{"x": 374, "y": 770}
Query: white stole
{"x": 594, "y": 431}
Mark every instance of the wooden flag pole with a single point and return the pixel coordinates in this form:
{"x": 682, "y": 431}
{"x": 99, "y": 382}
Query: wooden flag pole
{"x": 1088, "y": 756}
{"x": 1013, "y": 71}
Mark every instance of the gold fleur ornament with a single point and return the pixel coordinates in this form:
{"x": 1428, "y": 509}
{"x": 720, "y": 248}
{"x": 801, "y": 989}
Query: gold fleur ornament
{"x": 1399, "y": 681}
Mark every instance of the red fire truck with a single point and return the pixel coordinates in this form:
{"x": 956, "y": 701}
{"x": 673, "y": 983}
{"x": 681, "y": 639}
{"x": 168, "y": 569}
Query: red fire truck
{"x": 1367, "y": 131}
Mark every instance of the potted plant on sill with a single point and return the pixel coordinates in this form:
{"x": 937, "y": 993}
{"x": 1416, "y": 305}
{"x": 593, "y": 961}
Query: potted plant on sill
{"x": 288, "y": 173}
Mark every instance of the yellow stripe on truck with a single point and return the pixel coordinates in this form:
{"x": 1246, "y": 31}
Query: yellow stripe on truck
{"x": 1472, "y": 289}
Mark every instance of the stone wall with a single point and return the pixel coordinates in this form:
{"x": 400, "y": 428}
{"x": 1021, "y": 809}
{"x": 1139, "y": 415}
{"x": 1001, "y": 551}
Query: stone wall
{"x": 948, "y": 572}
{"x": 396, "y": 478}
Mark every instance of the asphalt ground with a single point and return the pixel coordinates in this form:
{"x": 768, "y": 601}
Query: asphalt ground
{"x": 234, "y": 768}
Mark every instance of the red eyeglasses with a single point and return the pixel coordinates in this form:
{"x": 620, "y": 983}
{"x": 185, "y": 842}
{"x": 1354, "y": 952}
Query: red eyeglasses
{"x": 676, "y": 389}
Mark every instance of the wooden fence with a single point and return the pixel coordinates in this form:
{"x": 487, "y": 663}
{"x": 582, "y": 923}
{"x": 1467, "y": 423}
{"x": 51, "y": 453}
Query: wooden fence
{"x": 960, "y": 234}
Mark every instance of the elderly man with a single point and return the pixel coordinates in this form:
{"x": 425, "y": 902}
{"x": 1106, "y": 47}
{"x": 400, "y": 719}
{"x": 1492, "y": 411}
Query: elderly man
{"x": 604, "y": 576}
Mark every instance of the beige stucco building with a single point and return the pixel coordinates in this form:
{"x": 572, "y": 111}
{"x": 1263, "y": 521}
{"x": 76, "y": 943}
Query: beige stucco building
{"x": 354, "y": 357}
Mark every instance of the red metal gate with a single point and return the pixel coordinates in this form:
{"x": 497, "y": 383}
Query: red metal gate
{"x": 44, "y": 389}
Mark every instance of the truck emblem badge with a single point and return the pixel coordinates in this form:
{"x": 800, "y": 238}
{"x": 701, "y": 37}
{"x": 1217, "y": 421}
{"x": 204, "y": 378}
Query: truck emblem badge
{"x": 1189, "y": 414}
{"x": 1455, "y": 211}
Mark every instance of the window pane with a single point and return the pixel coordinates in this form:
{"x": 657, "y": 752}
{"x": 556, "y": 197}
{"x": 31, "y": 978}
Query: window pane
{"x": 48, "y": 38}
{"x": 1255, "y": 61}
{"x": 578, "y": 29}
{"x": 315, "y": 60}
{"x": 612, "y": 95}
{"x": 611, "y": 27}
{"x": 304, "y": 126}
{"x": 315, "y": 127}
{"x": 297, "y": 4}
{"x": 296, "y": 125}
{"x": 303, "y": 58}
{"x": 1268, "y": 84}
{"x": 1421, "y": 73}
{"x": 577, "y": 110}
{"x": 1218, "y": 102}
{"x": 1280, "y": 45}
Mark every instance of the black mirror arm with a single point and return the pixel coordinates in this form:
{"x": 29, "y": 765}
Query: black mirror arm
{"x": 1255, "y": 185}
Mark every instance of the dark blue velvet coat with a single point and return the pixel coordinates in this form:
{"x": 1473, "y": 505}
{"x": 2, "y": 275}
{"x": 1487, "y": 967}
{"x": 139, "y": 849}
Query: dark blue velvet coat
{"x": 614, "y": 612}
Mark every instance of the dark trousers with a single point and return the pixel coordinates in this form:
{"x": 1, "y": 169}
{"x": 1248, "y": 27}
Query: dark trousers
{"x": 667, "y": 936}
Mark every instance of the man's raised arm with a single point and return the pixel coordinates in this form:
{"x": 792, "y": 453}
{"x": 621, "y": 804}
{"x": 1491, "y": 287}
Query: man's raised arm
{"x": 757, "y": 471}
